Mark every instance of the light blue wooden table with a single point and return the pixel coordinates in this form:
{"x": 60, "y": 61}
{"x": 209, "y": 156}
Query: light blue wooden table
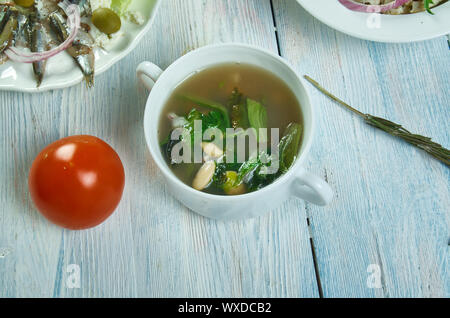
{"x": 386, "y": 234}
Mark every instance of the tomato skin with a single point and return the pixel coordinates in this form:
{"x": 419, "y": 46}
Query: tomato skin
{"x": 77, "y": 182}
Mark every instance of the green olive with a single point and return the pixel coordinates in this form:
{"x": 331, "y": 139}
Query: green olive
{"x": 231, "y": 186}
{"x": 106, "y": 20}
{"x": 24, "y": 3}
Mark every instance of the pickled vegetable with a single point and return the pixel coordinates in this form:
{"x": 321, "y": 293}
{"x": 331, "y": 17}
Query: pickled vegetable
{"x": 24, "y": 3}
{"x": 106, "y": 20}
{"x": 232, "y": 186}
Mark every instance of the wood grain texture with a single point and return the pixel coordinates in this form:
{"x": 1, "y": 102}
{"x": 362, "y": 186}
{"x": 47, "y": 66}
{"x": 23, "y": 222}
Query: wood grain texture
{"x": 392, "y": 203}
{"x": 152, "y": 246}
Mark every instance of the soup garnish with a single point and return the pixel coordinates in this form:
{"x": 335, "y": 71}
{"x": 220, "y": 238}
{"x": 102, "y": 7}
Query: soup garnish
{"x": 221, "y": 129}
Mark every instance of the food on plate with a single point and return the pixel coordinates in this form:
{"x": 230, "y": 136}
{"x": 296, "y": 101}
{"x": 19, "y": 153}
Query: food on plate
{"x": 77, "y": 182}
{"x": 81, "y": 48}
{"x": 392, "y": 6}
{"x": 32, "y": 31}
{"x": 213, "y": 120}
{"x": 106, "y": 20}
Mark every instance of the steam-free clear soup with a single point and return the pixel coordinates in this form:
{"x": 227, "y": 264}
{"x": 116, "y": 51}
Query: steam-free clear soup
{"x": 217, "y": 84}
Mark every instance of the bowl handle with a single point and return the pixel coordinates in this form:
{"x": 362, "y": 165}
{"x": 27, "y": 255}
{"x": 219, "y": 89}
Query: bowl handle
{"x": 311, "y": 188}
{"x": 148, "y": 73}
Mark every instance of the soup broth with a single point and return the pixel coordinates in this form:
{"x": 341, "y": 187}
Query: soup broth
{"x": 250, "y": 97}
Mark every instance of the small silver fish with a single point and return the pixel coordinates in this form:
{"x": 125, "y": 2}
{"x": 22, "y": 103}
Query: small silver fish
{"x": 4, "y": 14}
{"x": 81, "y": 49}
{"x": 37, "y": 42}
{"x": 22, "y": 21}
{"x": 8, "y": 28}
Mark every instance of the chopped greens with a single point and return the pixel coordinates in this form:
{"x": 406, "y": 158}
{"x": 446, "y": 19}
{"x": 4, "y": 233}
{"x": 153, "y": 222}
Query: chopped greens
{"x": 213, "y": 119}
{"x": 240, "y": 112}
{"x": 253, "y": 172}
{"x": 257, "y": 114}
{"x": 248, "y": 167}
{"x": 289, "y": 146}
{"x": 220, "y": 176}
{"x": 210, "y": 105}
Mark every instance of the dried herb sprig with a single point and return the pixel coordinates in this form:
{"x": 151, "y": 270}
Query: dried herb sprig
{"x": 396, "y": 130}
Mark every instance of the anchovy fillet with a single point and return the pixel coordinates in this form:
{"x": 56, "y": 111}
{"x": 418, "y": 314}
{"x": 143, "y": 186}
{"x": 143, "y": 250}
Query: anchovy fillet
{"x": 8, "y": 28}
{"x": 81, "y": 49}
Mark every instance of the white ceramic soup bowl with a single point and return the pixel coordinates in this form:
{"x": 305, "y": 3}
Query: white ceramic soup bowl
{"x": 297, "y": 182}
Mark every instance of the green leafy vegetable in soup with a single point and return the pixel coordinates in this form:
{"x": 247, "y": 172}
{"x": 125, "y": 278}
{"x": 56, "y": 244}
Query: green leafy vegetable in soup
{"x": 289, "y": 145}
{"x": 211, "y": 105}
{"x": 235, "y": 111}
{"x": 257, "y": 114}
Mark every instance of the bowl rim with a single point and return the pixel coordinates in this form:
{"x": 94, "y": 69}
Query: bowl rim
{"x": 203, "y": 195}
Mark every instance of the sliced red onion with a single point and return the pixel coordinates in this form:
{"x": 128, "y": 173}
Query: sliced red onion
{"x": 73, "y": 19}
{"x": 372, "y": 8}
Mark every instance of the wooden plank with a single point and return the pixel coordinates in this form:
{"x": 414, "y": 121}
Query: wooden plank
{"x": 32, "y": 245}
{"x": 392, "y": 201}
{"x": 152, "y": 246}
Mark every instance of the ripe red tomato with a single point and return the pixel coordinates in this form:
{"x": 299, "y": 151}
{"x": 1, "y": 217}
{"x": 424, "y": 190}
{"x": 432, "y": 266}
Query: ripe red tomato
{"x": 77, "y": 182}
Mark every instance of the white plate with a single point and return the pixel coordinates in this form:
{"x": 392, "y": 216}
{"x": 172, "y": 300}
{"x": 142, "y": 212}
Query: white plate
{"x": 61, "y": 71}
{"x": 392, "y": 28}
